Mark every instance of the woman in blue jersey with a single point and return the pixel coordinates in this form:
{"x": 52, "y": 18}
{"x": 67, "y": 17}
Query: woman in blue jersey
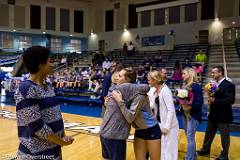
{"x": 147, "y": 133}
{"x": 39, "y": 120}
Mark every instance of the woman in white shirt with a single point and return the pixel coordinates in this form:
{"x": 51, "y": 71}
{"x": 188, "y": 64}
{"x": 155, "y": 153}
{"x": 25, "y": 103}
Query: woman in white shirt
{"x": 161, "y": 100}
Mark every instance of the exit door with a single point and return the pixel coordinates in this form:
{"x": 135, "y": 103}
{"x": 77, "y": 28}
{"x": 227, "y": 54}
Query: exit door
{"x": 101, "y": 45}
{"x": 231, "y": 34}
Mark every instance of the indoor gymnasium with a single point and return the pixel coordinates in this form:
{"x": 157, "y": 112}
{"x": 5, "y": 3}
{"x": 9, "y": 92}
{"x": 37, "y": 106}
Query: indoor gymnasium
{"x": 120, "y": 79}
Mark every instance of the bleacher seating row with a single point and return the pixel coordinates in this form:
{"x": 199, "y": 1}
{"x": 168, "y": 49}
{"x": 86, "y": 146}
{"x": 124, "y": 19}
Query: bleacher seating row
{"x": 137, "y": 57}
{"x": 180, "y": 52}
{"x": 71, "y": 92}
{"x": 81, "y": 100}
{"x": 72, "y": 58}
{"x": 83, "y": 97}
{"x": 186, "y": 51}
{"x": 9, "y": 59}
{"x": 86, "y": 100}
{"x": 237, "y": 45}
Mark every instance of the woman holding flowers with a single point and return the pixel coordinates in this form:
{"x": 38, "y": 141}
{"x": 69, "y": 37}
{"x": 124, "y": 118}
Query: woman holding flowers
{"x": 161, "y": 100}
{"x": 192, "y": 109}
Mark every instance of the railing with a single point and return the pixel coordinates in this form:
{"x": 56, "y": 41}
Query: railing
{"x": 60, "y": 67}
{"x": 224, "y": 61}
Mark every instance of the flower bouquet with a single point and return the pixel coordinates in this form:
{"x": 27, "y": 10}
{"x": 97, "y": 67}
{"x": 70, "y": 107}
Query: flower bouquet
{"x": 185, "y": 99}
{"x": 211, "y": 88}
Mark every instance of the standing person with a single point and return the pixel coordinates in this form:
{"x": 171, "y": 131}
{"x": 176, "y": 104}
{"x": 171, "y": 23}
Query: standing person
{"x": 220, "y": 114}
{"x": 193, "y": 112}
{"x": 177, "y": 74}
{"x": 96, "y": 57}
{"x": 108, "y": 81}
{"x": 161, "y": 100}
{"x": 147, "y": 134}
{"x": 201, "y": 58}
{"x": 131, "y": 49}
{"x": 39, "y": 120}
{"x": 115, "y": 128}
{"x": 125, "y": 49}
{"x": 101, "y": 59}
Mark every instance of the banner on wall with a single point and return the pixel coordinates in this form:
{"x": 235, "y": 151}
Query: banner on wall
{"x": 153, "y": 41}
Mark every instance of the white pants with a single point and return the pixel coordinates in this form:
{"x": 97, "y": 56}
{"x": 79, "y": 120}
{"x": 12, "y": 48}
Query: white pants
{"x": 169, "y": 145}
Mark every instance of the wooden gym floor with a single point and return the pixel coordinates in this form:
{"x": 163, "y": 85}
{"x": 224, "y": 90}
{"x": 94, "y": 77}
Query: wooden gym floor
{"x": 87, "y": 145}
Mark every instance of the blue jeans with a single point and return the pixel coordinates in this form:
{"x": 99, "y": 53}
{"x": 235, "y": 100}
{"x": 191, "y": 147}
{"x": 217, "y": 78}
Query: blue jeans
{"x": 190, "y": 127}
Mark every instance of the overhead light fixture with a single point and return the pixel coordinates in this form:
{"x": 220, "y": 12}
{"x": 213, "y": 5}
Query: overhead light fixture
{"x": 125, "y": 28}
{"x": 92, "y": 32}
{"x": 71, "y": 35}
{"x": 14, "y": 30}
{"x": 216, "y": 16}
{"x": 44, "y": 32}
{"x": 233, "y": 22}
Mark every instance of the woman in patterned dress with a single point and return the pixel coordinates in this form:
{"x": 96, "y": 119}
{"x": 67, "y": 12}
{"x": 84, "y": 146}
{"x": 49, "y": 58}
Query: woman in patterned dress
{"x": 39, "y": 120}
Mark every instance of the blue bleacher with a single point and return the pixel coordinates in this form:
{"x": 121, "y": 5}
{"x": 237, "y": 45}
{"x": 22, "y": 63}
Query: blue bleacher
{"x": 79, "y": 99}
{"x": 98, "y": 102}
{"x": 79, "y": 96}
{"x": 2, "y": 75}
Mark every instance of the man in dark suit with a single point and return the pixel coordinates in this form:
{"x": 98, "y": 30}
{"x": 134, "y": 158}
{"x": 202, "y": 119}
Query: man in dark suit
{"x": 220, "y": 114}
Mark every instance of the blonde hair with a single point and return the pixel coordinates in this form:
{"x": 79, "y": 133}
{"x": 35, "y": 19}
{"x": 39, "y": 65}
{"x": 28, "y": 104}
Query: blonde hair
{"x": 155, "y": 75}
{"x": 192, "y": 77}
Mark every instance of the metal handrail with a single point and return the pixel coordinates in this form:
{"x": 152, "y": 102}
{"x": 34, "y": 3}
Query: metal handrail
{"x": 57, "y": 68}
{"x": 224, "y": 60}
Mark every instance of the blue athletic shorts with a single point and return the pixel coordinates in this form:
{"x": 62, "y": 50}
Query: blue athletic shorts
{"x": 151, "y": 133}
{"x": 113, "y": 149}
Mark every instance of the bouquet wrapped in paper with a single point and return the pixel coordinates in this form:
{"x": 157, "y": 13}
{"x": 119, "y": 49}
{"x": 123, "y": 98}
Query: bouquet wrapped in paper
{"x": 185, "y": 99}
{"x": 211, "y": 88}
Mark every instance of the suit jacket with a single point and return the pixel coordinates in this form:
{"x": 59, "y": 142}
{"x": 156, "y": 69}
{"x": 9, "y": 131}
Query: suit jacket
{"x": 221, "y": 108}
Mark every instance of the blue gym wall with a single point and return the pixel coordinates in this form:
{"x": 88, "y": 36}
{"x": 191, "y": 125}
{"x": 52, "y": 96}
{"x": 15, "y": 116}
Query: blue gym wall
{"x": 41, "y": 39}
